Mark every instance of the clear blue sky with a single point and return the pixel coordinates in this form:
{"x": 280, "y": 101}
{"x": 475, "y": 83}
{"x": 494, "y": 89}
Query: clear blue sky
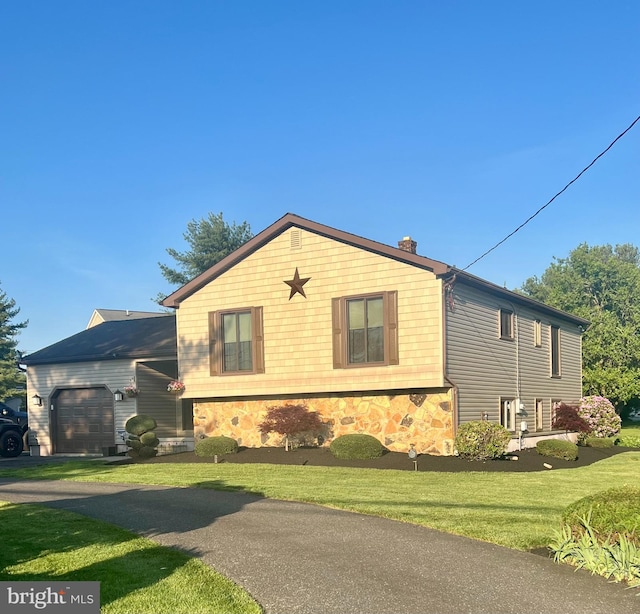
{"x": 449, "y": 121}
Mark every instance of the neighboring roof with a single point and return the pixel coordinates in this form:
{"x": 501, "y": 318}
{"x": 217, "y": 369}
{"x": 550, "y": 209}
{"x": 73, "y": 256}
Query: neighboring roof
{"x": 440, "y": 269}
{"x": 107, "y": 315}
{"x": 140, "y": 338}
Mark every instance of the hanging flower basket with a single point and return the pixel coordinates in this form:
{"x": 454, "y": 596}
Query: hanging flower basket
{"x": 131, "y": 391}
{"x": 176, "y": 387}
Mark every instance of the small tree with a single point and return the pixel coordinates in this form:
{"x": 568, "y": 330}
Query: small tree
{"x": 290, "y": 421}
{"x": 567, "y": 418}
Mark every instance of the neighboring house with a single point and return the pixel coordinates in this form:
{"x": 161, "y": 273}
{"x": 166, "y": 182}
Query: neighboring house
{"x": 377, "y": 339}
{"x": 108, "y": 315}
{"x": 73, "y": 386}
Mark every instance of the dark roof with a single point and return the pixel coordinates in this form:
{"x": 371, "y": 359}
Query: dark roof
{"x": 115, "y": 340}
{"x": 440, "y": 269}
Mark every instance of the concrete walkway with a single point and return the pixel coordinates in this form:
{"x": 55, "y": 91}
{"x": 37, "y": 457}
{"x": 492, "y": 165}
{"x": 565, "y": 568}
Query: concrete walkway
{"x": 303, "y": 559}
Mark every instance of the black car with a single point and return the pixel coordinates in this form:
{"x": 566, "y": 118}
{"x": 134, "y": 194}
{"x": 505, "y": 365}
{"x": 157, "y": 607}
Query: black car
{"x": 14, "y": 425}
{"x": 21, "y": 418}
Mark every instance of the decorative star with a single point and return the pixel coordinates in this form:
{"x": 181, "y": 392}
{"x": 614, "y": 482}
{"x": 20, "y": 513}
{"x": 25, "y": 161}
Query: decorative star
{"x": 296, "y": 285}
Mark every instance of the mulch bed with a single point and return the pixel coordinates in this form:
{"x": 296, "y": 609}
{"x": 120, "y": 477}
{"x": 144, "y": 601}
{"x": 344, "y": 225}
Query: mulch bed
{"x": 528, "y": 460}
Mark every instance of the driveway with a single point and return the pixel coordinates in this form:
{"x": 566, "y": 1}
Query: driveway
{"x": 303, "y": 559}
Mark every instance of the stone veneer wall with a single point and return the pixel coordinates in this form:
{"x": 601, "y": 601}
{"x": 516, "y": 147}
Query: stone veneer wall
{"x": 397, "y": 420}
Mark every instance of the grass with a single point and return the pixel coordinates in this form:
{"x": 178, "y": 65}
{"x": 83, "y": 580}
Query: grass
{"x": 136, "y": 575}
{"x": 630, "y": 434}
{"x": 517, "y": 510}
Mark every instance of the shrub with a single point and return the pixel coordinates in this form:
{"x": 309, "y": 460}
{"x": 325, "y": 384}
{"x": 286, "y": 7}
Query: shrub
{"x": 599, "y": 442}
{"x": 600, "y": 414}
{"x": 612, "y": 513}
{"x": 140, "y": 424}
{"x": 617, "y": 559}
{"x": 142, "y": 441}
{"x": 628, "y": 441}
{"x": 290, "y": 421}
{"x": 482, "y": 440}
{"x": 356, "y": 446}
{"x": 567, "y": 418}
{"x": 601, "y": 534}
{"x": 558, "y": 448}
{"x": 211, "y": 446}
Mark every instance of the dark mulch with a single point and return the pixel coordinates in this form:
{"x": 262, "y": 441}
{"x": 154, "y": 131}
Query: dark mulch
{"x": 528, "y": 460}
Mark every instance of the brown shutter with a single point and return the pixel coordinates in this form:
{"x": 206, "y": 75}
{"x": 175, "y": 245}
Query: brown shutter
{"x": 391, "y": 309}
{"x": 336, "y": 320}
{"x": 214, "y": 363}
{"x": 258, "y": 339}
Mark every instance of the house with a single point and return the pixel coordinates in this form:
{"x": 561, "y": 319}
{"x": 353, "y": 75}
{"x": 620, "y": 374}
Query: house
{"x": 107, "y": 315}
{"x": 75, "y": 387}
{"x": 377, "y": 339}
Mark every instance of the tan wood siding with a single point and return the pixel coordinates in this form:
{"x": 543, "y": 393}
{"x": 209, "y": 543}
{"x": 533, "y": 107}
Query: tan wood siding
{"x": 298, "y": 348}
{"x": 486, "y": 368}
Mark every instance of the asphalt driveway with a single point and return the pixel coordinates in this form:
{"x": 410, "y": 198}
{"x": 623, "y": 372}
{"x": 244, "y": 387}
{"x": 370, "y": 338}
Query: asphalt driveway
{"x": 303, "y": 559}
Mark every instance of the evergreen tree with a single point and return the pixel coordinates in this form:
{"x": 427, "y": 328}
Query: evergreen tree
{"x": 12, "y": 379}
{"x": 600, "y": 284}
{"x": 210, "y": 240}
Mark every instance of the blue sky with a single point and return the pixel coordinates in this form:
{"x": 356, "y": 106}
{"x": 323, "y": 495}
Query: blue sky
{"x": 451, "y": 122}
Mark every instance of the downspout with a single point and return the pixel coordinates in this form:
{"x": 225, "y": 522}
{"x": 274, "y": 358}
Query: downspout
{"x": 448, "y": 300}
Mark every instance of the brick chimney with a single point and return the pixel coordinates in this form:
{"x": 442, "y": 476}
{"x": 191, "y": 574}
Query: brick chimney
{"x": 408, "y": 245}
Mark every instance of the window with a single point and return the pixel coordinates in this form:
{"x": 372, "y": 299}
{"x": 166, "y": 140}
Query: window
{"x": 554, "y": 406}
{"x": 506, "y": 324}
{"x": 539, "y": 410}
{"x": 365, "y": 330}
{"x": 537, "y": 333}
{"x": 508, "y": 413}
{"x": 236, "y": 341}
{"x": 555, "y": 351}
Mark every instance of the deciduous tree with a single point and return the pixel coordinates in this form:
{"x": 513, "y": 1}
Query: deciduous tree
{"x": 601, "y": 284}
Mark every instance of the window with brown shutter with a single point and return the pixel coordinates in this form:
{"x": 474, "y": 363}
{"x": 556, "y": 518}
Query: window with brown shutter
{"x": 365, "y": 330}
{"x": 236, "y": 341}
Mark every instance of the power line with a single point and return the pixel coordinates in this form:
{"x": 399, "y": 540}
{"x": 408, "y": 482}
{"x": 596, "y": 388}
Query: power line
{"x": 584, "y": 170}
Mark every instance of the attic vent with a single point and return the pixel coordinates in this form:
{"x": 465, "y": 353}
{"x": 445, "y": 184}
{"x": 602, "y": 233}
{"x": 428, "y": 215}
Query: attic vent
{"x": 296, "y": 238}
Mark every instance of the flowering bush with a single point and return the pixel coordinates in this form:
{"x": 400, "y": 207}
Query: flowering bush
{"x": 131, "y": 391}
{"x": 600, "y": 414}
{"x": 175, "y": 386}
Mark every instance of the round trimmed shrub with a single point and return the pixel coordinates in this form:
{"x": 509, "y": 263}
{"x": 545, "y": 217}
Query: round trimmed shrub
{"x": 137, "y": 425}
{"x": 600, "y": 414}
{"x": 612, "y": 513}
{"x": 146, "y": 452}
{"x": 134, "y": 444}
{"x": 600, "y": 442}
{"x": 219, "y": 444}
{"x": 356, "y": 446}
{"x": 558, "y": 448}
{"x": 482, "y": 440}
{"x": 149, "y": 439}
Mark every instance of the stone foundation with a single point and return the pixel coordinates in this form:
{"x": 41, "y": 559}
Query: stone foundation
{"x": 397, "y": 420}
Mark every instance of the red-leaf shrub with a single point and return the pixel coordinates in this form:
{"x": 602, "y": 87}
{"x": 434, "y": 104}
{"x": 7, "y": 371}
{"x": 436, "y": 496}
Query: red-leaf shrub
{"x": 290, "y": 420}
{"x": 567, "y": 418}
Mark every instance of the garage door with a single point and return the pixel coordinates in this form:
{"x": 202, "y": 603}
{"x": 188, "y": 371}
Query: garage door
{"x": 83, "y": 421}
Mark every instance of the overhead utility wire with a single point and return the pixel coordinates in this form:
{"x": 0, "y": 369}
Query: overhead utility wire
{"x": 584, "y": 170}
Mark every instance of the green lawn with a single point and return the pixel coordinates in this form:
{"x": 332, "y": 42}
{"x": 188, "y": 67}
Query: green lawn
{"x": 630, "y": 434}
{"x": 517, "y": 510}
{"x": 136, "y": 575}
